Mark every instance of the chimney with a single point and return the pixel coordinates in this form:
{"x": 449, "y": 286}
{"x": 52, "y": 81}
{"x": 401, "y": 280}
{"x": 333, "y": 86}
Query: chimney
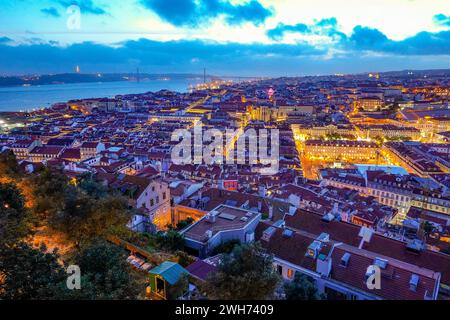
{"x": 323, "y": 265}
{"x": 335, "y": 208}
{"x": 267, "y": 234}
{"x": 414, "y": 282}
{"x": 211, "y": 217}
{"x": 366, "y": 235}
{"x": 262, "y": 191}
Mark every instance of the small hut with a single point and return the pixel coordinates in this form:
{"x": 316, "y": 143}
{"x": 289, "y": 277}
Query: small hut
{"x": 165, "y": 276}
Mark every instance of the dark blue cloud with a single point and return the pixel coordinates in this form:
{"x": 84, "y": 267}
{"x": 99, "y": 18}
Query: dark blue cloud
{"x": 86, "y": 6}
{"x": 52, "y": 12}
{"x": 193, "y": 56}
{"x": 370, "y": 39}
{"x": 367, "y": 38}
{"x": 193, "y": 13}
{"x": 327, "y": 27}
{"x": 152, "y": 56}
{"x": 428, "y": 49}
{"x": 442, "y": 20}
{"x": 423, "y": 43}
{"x": 281, "y": 29}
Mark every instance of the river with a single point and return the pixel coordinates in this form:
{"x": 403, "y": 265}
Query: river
{"x": 28, "y": 98}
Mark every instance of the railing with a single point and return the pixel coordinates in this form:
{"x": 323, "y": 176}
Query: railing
{"x": 228, "y": 227}
{"x": 196, "y": 237}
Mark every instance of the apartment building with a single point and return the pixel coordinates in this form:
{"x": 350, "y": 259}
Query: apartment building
{"x": 341, "y": 150}
{"x": 402, "y": 259}
{"x": 91, "y": 149}
{"x": 22, "y": 148}
{"x": 411, "y": 159}
{"x": 222, "y": 224}
{"x": 151, "y": 197}
{"x": 388, "y": 132}
{"x": 45, "y": 153}
{"x": 370, "y": 104}
{"x": 341, "y": 271}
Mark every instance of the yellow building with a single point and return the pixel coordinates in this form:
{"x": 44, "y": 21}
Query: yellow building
{"x": 370, "y": 104}
{"x": 315, "y": 132}
{"x": 340, "y": 150}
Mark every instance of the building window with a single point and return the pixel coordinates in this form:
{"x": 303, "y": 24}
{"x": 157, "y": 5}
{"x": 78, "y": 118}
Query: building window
{"x": 164, "y": 196}
{"x": 290, "y": 273}
{"x": 280, "y": 269}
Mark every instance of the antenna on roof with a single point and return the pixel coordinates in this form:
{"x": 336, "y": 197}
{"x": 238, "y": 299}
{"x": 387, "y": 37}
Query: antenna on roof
{"x": 366, "y": 235}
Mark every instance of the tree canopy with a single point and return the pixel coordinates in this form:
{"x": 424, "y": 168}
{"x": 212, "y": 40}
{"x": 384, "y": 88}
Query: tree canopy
{"x": 29, "y": 273}
{"x": 86, "y": 213}
{"x": 105, "y": 275}
{"x": 246, "y": 273}
{"x": 9, "y": 167}
{"x": 170, "y": 240}
{"x": 50, "y": 190}
{"x": 87, "y": 183}
{"x": 301, "y": 288}
{"x": 15, "y": 219}
{"x": 85, "y": 219}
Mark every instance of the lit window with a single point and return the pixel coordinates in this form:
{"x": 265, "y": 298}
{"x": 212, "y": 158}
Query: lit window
{"x": 290, "y": 273}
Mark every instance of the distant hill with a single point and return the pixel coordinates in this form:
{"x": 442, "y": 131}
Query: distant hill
{"x": 13, "y": 81}
{"x": 432, "y": 72}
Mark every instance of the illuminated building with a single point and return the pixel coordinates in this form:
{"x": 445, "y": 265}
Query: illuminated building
{"x": 432, "y": 201}
{"x": 410, "y": 158}
{"x": 340, "y": 150}
{"x": 91, "y": 149}
{"x": 294, "y": 112}
{"x": 391, "y": 190}
{"x": 150, "y": 197}
{"x": 388, "y": 132}
{"x": 264, "y": 113}
{"x": 370, "y": 104}
{"x": 22, "y": 148}
{"x": 281, "y": 113}
{"x": 317, "y": 131}
{"x": 45, "y": 153}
